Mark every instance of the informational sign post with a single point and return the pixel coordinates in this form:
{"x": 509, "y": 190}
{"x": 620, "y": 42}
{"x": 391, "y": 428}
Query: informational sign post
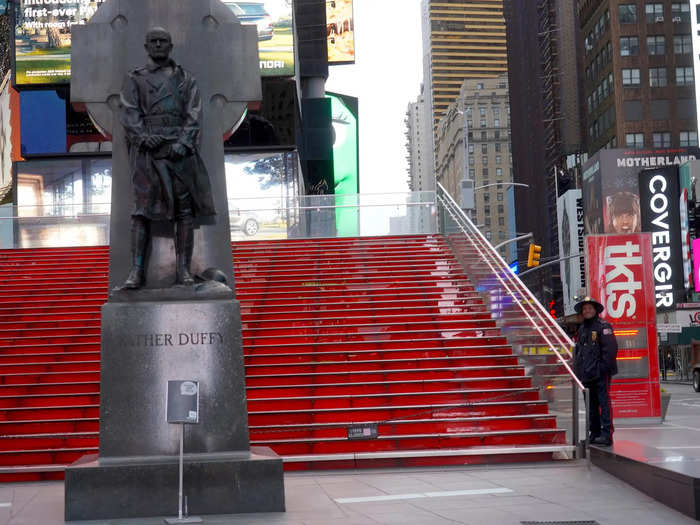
{"x": 619, "y": 272}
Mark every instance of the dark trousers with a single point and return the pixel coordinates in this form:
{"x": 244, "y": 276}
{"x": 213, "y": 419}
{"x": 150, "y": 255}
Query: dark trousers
{"x": 600, "y": 409}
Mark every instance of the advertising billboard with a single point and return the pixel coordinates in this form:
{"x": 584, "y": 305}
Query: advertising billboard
{"x": 43, "y": 36}
{"x": 695, "y": 32}
{"x": 570, "y": 220}
{"x": 619, "y": 275}
{"x": 660, "y": 198}
{"x": 340, "y": 32}
{"x": 611, "y": 185}
{"x": 346, "y": 162}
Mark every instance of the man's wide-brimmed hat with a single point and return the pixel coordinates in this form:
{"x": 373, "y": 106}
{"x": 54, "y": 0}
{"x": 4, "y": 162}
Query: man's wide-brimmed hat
{"x": 588, "y": 300}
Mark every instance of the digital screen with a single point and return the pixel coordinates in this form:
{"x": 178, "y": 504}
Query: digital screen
{"x": 43, "y": 36}
{"x": 340, "y": 32}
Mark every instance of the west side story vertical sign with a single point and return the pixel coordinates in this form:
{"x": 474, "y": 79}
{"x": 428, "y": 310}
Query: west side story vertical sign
{"x": 571, "y": 230}
{"x": 659, "y": 194}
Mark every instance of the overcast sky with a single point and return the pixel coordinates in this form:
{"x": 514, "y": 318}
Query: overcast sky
{"x": 386, "y": 76}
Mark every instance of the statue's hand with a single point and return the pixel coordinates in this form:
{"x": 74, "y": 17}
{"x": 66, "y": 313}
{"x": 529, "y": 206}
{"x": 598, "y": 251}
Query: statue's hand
{"x": 153, "y": 141}
{"x": 177, "y": 151}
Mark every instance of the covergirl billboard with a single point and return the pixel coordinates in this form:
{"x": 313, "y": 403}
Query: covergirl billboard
{"x": 611, "y": 186}
{"x": 619, "y": 272}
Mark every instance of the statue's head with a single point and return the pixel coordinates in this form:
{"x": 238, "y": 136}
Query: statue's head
{"x": 158, "y": 44}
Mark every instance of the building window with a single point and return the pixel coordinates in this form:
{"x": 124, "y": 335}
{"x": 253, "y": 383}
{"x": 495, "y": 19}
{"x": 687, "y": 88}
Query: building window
{"x": 500, "y": 209}
{"x": 488, "y": 236}
{"x": 472, "y": 173}
{"x": 689, "y": 138}
{"x": 471, "y": 148}
{"x": 497, "y": 146}
{"x": 680, "y": 12}
{"x": 487, "y": 221}
{"x": 499, "y": 172}
{"x": 484, "y": 135}
{"x": 682, "y": 44}
{"x": 487, "y": 197}
{"x": 630, "y": 77}
{"x": 662, "y": 140}
{"x": 484, "y": 148}
{"x": 499, "y": 196}
{"x": 482, "y": 123}
{"x": 628, "y": 13}
{"x": 501, "y": 221}
{"x": 496, "y": 112}
{"x": 487, "y": 210}
{"x": 471, "y": 160}
{"x": 497, "y": 123}
{"x": 484, "y": 161}
{"x": 485, "y": 173}
{"x": 654, "y": 13}
{"x": 684, "y": 76}
{"x": 657, "y": 77}
{"x": 656, "y": 45}
{"x": 482, "y": 111}
{"x": 497, "y": 134}
{"x": 499, "y": 159}
{"x": 635, "y": 140}
{"x": 469, "y": 111}
{"x": 629, "y": 46}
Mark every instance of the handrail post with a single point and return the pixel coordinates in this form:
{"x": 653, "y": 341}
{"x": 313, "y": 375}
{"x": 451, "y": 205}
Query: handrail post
{"x": 575, "y": 418}
{"x": 587, "y": 400}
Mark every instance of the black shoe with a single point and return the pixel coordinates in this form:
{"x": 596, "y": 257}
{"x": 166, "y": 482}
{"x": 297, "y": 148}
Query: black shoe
{"x": 135, "y": 278}
{"x": 603, "y": 441}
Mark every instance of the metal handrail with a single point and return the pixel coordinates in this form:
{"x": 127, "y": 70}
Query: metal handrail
{"x": 516, "y": 285}
{"x": 562, "y": 338}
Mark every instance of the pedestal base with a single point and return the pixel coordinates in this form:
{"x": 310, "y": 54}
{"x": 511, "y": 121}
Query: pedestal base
{"x": 136, "y": 487}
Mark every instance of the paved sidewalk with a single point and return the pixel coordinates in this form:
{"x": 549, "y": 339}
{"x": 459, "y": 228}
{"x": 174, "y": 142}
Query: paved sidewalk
{"x": 478, "y": 495}
{"x": 462, "y": 495}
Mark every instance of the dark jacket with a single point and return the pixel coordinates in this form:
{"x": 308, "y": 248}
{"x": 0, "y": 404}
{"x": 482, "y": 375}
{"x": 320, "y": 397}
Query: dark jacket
{"x": 595, "y": 354}
{"x": 154, "y": 103}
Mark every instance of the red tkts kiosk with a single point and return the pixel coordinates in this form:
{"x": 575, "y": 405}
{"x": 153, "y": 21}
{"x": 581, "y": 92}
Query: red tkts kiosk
{"x": 619, "y": 275}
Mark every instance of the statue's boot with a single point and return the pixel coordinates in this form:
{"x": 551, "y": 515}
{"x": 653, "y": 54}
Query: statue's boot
{"x": 139, "y": 238}
{"x": 184, "y": 244}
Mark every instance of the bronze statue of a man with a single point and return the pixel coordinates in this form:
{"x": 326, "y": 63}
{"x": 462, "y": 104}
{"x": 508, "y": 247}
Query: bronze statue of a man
{"x": 160, "y": 112}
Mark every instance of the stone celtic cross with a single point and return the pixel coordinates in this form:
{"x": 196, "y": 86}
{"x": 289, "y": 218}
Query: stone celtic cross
{"x": 222, "y": 55}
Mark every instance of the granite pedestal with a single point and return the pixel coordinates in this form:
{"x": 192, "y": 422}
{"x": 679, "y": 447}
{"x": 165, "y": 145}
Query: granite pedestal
{"x": 144, "y": 345}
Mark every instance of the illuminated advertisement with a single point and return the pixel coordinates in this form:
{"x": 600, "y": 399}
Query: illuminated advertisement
{"x": 570, "y": 220}
{"x": 659, "y": 196}
{"x": 611, "y": 185}
{"x": 346, "y": 162}
{"x": 43, "y": 36}
{"x": 619, "y": 272}
{"x": 340, "y": 32}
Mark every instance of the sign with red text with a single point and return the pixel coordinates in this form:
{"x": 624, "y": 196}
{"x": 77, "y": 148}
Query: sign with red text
{"x": 619, "y": 271}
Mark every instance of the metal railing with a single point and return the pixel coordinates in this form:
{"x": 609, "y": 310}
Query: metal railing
{"x": 535, "y": 336}
{"x": 255, "y": 218}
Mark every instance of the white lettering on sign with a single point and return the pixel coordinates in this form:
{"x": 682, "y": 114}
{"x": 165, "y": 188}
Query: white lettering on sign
{"x": 645, "y": 162}
{"x": 661, "y": 241}
{"x": 620, "y": 281}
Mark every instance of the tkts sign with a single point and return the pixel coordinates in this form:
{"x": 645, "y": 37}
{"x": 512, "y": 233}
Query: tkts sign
{"x": 619, "y": 276}
{"x": 619, "y": 272}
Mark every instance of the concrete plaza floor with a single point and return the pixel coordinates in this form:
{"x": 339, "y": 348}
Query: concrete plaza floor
{"x": 478, "y": 495}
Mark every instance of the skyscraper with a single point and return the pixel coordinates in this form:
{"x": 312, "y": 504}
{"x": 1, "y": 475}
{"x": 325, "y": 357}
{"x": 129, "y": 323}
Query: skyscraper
{"x": 418, "y": 146}
{"x": 461, "y": 39}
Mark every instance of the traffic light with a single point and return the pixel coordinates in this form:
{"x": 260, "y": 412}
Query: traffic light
{"x": 533, "y": 256}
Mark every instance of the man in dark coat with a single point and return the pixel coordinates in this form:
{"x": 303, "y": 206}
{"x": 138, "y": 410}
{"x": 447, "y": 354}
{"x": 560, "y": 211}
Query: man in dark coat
{"x": 595, "y": 362}
{"x": 160, "y": 112}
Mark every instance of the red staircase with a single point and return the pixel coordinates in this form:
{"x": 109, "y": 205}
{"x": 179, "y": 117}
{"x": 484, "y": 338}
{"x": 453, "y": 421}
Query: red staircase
{"x": 338, "y": 334}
